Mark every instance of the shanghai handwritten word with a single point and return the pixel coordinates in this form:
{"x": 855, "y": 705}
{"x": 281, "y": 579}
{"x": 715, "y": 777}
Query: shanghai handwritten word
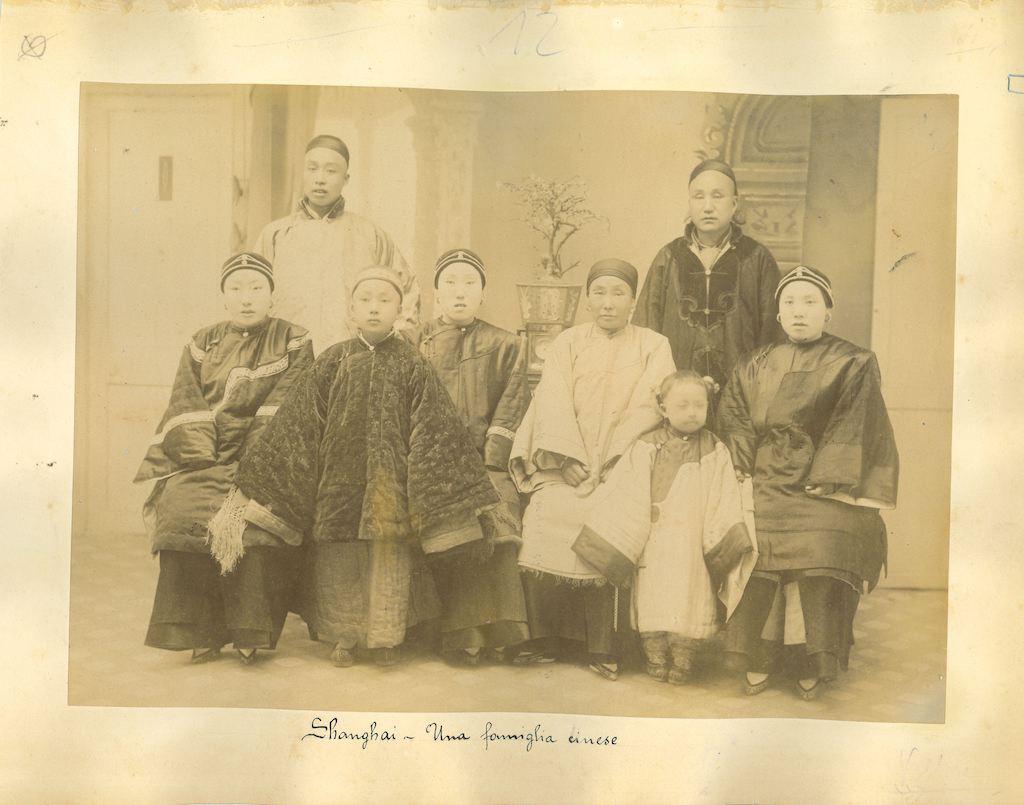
{"x": 329, "y": 731}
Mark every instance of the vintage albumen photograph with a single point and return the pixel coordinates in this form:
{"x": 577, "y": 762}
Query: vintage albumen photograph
{"x": 603, "y": 403}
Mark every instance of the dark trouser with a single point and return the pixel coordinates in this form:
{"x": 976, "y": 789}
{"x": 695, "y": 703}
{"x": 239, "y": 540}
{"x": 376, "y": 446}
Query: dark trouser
{"x": 482, "y": 601}
{"x": 195, "y": 607}
{"x": 828, "y": 606}
{"x": 583, "y": 615}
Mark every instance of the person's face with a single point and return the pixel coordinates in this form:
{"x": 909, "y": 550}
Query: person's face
{"x": 460, "y": 292}
{"x": 324, "y": 177}
{"x": 712, "y": 203}
{"x": 610, "y": 301}
{"x": 247, "y": 297}
{"x": 802, "y": 311}
{"x": 374, "y": 308}
{"x": 686, "y": 406}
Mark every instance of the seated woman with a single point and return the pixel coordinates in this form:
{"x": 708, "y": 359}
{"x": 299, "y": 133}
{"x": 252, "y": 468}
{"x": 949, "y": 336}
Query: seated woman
{"x": 230, "y": 380}
{"x": 595, "y": 397}
{"x": 805, "y": 417}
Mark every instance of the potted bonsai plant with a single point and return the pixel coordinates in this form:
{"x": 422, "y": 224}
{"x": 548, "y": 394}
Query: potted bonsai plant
{"x": 555, "y": 210}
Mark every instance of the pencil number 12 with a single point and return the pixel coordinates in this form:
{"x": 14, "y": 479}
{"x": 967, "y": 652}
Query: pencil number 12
{"x": 522, "y": 18}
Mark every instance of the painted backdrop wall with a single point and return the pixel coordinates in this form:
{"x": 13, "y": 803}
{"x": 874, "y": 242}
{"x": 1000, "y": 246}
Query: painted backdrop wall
{"x": 174, "y": 178}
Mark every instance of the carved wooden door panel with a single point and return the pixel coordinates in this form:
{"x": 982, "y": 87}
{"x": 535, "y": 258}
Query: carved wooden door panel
{"x": 766, "y": 140}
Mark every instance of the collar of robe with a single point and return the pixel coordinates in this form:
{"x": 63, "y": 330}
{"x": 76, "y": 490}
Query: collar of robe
{"x": 679, "y": 434}
{"x": 443, "y": 326}
{"x": 732, "y": 236}
{"x": 248, "y": 330}
{"x": 311, "y": 212}
{"x": 372, "y": 347}
{"x": 600, "y": 333}
{"x": 806, "y": 342}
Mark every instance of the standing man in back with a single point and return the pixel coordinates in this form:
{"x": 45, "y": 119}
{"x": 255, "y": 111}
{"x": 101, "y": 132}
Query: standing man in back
{"x": 711, "y": 291}
{"x": 318, "y": 250}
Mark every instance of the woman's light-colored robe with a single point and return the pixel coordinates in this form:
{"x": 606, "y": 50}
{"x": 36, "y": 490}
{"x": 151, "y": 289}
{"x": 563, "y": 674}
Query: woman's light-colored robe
{"x": 595, "y": 397}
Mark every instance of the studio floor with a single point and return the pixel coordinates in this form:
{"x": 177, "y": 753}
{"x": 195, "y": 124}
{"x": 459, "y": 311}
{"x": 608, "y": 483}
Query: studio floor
{"x": 897, "y": 669}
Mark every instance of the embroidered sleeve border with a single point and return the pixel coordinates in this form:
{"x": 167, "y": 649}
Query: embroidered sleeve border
{"x": 497, "y": 430}
{"x": 189, "y": 418}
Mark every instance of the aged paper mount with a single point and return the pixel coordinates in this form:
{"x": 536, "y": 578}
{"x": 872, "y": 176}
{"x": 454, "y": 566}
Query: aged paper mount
{"x": 54, "y": 752}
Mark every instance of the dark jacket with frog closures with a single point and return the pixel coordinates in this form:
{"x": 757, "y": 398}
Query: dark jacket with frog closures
{"x": 711, "y": 317}
{"x": 481, "y": 367}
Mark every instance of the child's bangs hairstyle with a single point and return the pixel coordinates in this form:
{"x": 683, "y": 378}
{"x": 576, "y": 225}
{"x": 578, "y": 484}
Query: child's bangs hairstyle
{"x": 683, "y": 376}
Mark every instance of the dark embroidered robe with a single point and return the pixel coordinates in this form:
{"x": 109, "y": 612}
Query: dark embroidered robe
{"x": 229, "y": 384}
{"x": 711, "y": 317}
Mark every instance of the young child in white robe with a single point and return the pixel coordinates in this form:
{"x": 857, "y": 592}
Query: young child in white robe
{"x": 671, "y": 521}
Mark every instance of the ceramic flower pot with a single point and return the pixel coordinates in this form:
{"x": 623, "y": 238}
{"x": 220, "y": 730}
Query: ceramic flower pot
{"x": 548, "y": 302}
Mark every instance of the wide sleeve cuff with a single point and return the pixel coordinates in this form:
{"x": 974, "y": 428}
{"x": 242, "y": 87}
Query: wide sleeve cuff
{"x": 451, "y": 534}
{"x": 838, "y": 464}
{"x": 864, "y": 502}
{"x": 498, "y": 448}
{"x": 262, "y": 517}
{"x": 611, "y": 562}
{"x": 727, "y": 553}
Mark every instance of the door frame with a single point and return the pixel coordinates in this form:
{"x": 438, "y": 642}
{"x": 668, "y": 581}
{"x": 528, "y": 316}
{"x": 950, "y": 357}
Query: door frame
{"x": 98, "y": 102}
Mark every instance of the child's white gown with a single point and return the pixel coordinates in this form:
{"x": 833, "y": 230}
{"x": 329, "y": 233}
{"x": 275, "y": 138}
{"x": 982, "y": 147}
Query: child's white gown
{"x": 673, "y": 508}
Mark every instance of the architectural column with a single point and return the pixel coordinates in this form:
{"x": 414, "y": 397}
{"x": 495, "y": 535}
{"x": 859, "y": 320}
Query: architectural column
{"x": 912, "y": 327}
{"x": 445, "y": 131}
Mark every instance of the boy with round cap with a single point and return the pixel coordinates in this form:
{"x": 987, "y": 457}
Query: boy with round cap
{"x": 481, "y": 367}
{"x": 318, "y": 250}
{"x": 711, "y": 290}
{"x": 231, "y": 379}
{"x": 595, "y": 397}
{"x": 369, "y": 463}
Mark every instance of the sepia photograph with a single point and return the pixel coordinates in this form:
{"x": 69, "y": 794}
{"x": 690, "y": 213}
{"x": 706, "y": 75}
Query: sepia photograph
{"x": 609, "y": 403}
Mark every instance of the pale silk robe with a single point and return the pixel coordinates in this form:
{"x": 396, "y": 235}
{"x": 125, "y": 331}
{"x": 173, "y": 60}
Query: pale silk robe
{"x": 672, "y": 521}
{"x": 595, "y": 397}
{"x": 315, "y": 262}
